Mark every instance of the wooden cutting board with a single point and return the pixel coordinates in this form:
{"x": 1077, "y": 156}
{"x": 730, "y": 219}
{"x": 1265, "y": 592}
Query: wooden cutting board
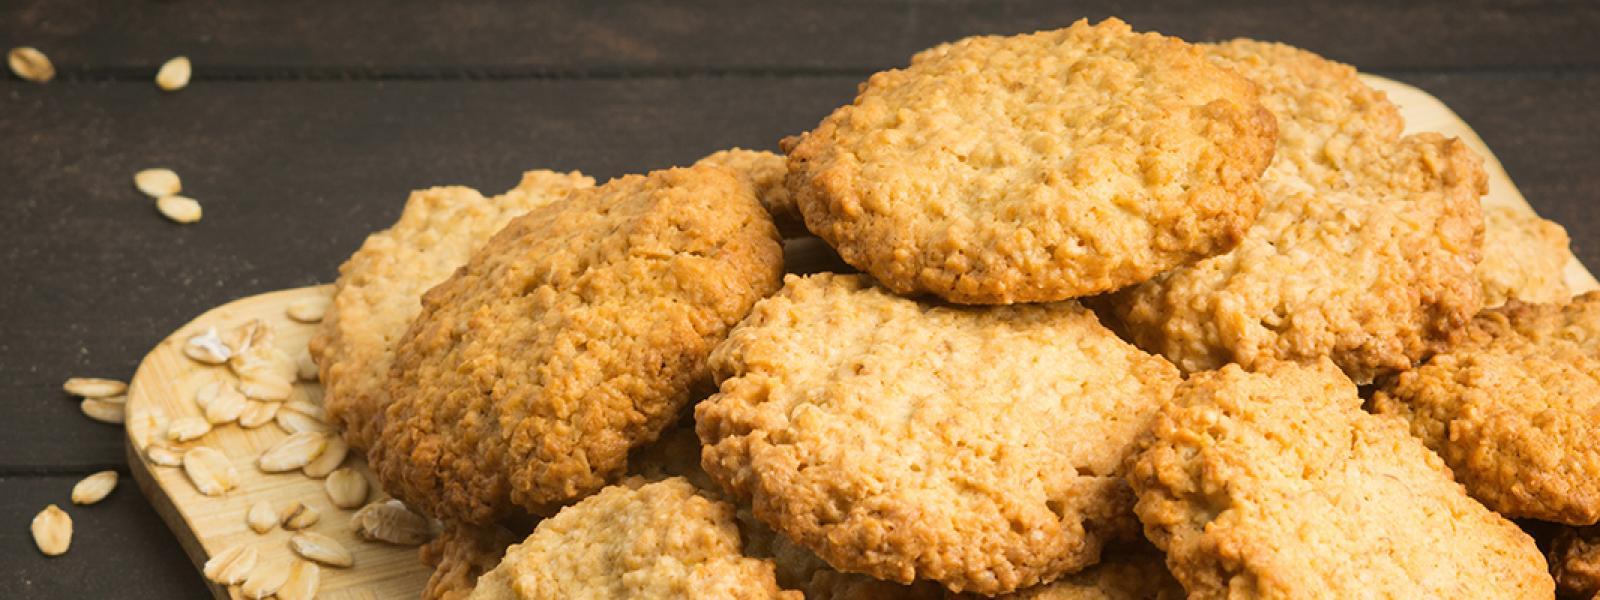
{"x": 166, "y": 381}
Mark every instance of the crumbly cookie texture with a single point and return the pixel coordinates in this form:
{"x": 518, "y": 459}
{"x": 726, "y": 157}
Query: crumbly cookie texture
{"x": 1037, "y": 167}
{"x": 1575, "y": 562}
{"x": 634, "y": 540}
{"x": 1275, "y": 484}
{"x": 1364, "y": 252}
{"x": 765, "y": 171}
{"x": 1514, "y": 409}
{"x": 1524, "y": 258}
{"x": 459, "y": 555}
{"x": 909, "y": 441}
{"x": 574, "y": 335}
{"x": 380, "y": 287}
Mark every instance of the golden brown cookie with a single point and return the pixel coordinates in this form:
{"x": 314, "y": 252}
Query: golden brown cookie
{"x": 1275, "y": 484}
{"x": 634, "y": 540}
{"x": 908, "y": 441}
{"x": 1036, "y": 167}
{"x": 1127, "y": 571}
{"x": 766, "y": 172}
{"x": 573, "y": 336}
{"x": 459, "y": 555}
{"x": 1514, "y": 409}
{"x": 1364, "y": 251}
{"x": 1575, "y": 562}
{"x": 380, "y": 287}
{"x": 1524, "y": 258}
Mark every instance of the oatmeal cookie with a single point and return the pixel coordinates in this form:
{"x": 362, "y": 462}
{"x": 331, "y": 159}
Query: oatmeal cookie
{"x": 1038, "y": 167}
{"x": 1514, "y": 409}
{"x": 380, "y": 288}
{"x": 766, "y": 172}
{"x": 1524, "y": 258}
{"x": 1364, "y": 251}
{"x": 908, "y": 441}
{"x": 459, "y": 555}
{"x": 634, "y": 540}
{"x": 1275, "y": 484}
{"x": 1575, "y": 562}
{"x": 574, "y": 335}
{"x": 1120, "y": 575}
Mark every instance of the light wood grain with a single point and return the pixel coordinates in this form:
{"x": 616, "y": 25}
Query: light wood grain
{"x": 167, "y": 381}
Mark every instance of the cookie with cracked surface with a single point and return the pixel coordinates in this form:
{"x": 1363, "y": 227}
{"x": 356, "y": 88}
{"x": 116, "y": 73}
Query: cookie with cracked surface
{"x": 1575, "y": 562}
{"x": 1364, "y": 252}
{"x": 577, "y": 333}
{"x": 459, "y": 555}
{"x": 1524, "y": 258}
{"x": 1275, "y": 484}
{"x": 1038, "y": 167}
{"x": 1122, "y": 574}
{"x": 848, "y": 415}
{"x": 766, "y": 172}
{"x": 634, "y": 540}
{"x": 380, "y": 287}
{"x": 1514, "y": 409}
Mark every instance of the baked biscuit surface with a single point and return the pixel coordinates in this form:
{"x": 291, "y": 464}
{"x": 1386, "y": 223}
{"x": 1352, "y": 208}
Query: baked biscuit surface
{"x": 1524, "y": 258}
{"x": 634, "y": 540}
{"x": 1275, "y": 484}
{"x": 909, "y": 441}
{"x": 1515, "y": 409}
{"x": 380, "y": 287}
{"x": 1036, "y": 167}
{"x": 573, "y": 336}
{"x": 766, "y": 172}
{"x": 1364, "y": 252}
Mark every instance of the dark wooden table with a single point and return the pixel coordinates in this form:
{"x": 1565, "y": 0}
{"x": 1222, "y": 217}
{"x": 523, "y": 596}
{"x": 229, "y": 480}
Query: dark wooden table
{"x": 307, "y": 123}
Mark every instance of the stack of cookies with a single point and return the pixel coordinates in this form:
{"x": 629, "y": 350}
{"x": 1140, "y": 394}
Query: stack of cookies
{"x": 1113, "y": 316}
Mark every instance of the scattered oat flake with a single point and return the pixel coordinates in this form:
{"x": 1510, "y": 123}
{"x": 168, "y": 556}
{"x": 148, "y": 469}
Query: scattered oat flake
{"x": 94, "y": 488}
{"x": 184, "y": 429}
{"x": 297, "y": 515}
{"x": 231, "y": 566}
{"x": 304, "y": 579}
{"x": 257, "y": 414}
{"x": 323, "y": 549}
{"x": 269, "y": 387}
{"x": 332, "y": 457}
{"x": 308, "y": 310}
{"x": 266, "y": 579}
{"x": 174, "y": 74}
{"x": 94, "y": 387}
{"x": 210, "y": 471}
{"x": 158, "y": 183}
{"x": 293, "y": 452}
{"x": 207, "y": 348}
{"x": 162, "y": 455}
{"x": 294, "y": 421}
{"x": 30, "y": 64}
{"x": 179, "y": 209}
{"x": 307, "y": 408}
{"x": 52, "y": 531}
{"x": 389, "y": 521}
{"x": 346, "y": 488}
{"x": 226, "y": 406}
{"x": 104, "y": 412}
{"x": 261, "y": 517}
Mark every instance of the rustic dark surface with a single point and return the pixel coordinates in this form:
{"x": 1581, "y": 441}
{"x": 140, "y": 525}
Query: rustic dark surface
{"x": 308, "y": 122}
